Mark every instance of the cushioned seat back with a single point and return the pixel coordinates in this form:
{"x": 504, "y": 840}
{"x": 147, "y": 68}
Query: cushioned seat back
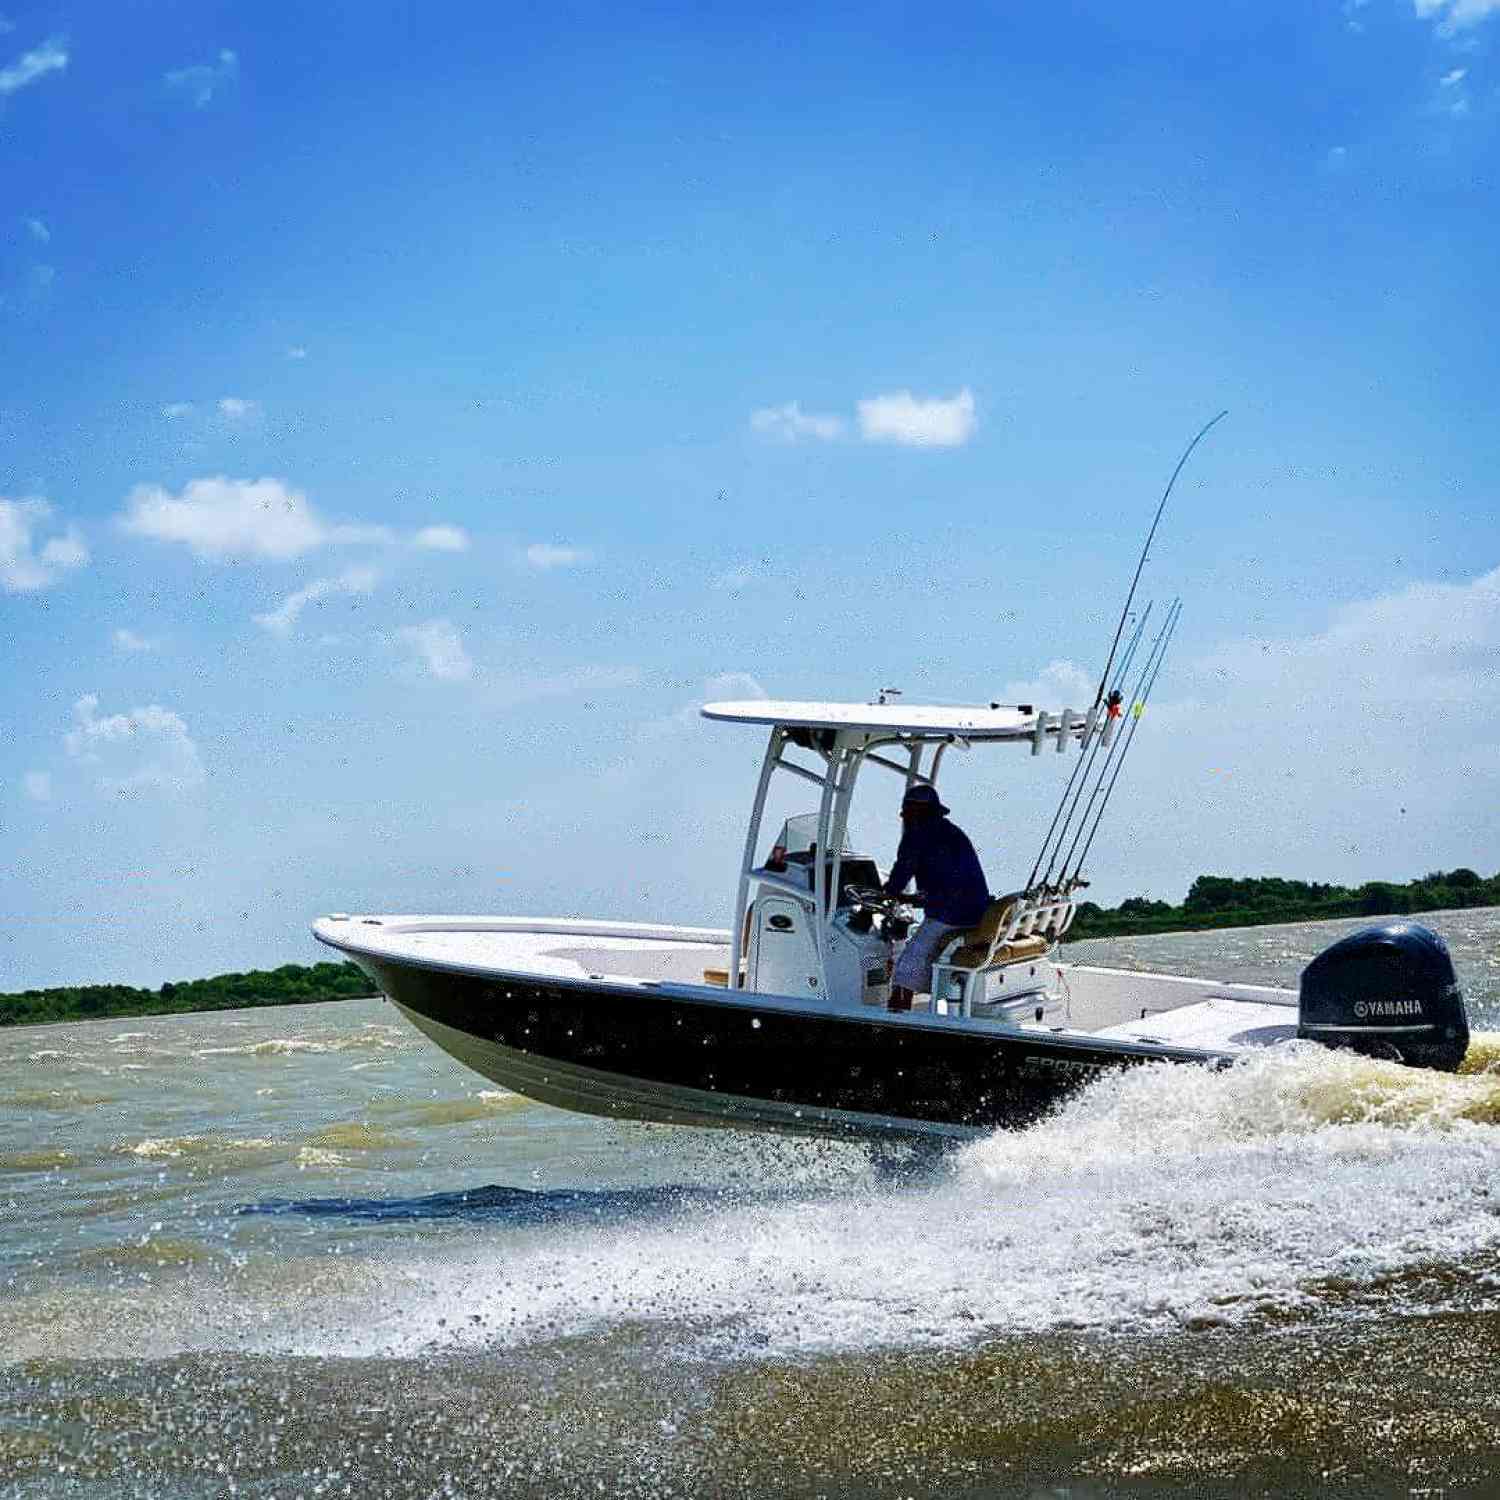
{"x": 995, "y": 920}
{"x": 979, "y": 941}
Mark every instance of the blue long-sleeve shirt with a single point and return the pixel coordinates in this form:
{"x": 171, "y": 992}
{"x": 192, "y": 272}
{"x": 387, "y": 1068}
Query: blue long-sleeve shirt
{"x": 947, "y": 869}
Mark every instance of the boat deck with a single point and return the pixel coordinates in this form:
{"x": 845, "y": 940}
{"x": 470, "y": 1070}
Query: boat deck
{"x": 1164, "y": 1009}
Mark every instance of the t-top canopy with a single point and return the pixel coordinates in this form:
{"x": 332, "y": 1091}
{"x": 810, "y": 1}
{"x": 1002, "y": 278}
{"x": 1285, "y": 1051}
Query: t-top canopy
{"x": 980, "y": 723}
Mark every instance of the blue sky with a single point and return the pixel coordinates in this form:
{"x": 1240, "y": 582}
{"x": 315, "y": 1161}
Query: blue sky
{"x": 409, "y": 416}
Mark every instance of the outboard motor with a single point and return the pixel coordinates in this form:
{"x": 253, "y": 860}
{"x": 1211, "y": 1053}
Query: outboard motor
{"x": 1387, "y": 992}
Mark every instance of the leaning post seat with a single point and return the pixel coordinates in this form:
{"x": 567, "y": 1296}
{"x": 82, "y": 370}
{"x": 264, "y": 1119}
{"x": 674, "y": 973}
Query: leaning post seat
{"x": 1013, "y": 929}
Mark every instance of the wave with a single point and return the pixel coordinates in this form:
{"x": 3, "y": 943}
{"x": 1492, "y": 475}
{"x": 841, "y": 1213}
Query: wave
{"x": 358, "y": 1136}
{"x": 384, "y": 1038}
{"x": 497, "y": 1203}
{"x": 484, "y": 1106}
{"x": 1483, "y": 1055}
{"x": 167, "y": 1148}
{"x": 1292, "y": 1187}
{"x": 1299, "y": 1186}
{"x": 146, "y": 1253}
{"x": 318, "y": 1156}
{"x": 62, "y": 1099}
{"x": 46, "y": 1160}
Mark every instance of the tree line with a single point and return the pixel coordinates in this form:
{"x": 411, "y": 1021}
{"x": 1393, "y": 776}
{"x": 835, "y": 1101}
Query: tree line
{"x": 291, "y": 984}
{"x": 1212, "y": 901}
{"x": 1228, "y": 901}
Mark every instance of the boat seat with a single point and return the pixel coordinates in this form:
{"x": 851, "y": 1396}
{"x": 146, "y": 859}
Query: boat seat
{"x": 720, "y": 977}
{"x": 968, "y": 955}
{"x": 980, "y": 946}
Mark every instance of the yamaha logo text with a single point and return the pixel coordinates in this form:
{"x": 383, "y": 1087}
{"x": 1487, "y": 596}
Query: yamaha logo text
{"x": 1363, "y": 1008}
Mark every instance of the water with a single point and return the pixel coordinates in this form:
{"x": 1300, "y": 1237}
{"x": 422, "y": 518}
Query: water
{"x": 299, "y": 1251}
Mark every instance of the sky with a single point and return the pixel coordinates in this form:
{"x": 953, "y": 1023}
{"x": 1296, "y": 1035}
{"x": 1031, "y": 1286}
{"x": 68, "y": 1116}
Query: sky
{"x": 410, "y": 415}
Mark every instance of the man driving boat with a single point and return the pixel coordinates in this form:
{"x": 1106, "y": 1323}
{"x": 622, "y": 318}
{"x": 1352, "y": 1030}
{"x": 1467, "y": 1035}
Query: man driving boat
{"x": 950, "y": 887}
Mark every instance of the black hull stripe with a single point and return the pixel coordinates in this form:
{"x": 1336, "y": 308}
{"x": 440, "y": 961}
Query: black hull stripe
{"x": 649, "y": 1052}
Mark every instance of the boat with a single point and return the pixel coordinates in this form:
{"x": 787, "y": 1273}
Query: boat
{"x": 780, "y": 1022}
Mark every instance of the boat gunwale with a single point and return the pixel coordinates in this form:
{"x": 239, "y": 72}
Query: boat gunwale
{"x": 979, "y": 1029}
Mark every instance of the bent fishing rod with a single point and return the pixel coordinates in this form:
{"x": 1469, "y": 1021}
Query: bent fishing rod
{"x": 1145, "y": 551}
{"x": 1092, "y": 719}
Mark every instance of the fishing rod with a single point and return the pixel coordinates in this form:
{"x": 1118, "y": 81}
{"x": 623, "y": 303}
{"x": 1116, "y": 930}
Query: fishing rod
{"x": 1150, "y": 537}
{"x": 1137, "y": 710}
{"x": 1091, "y": 721}
{"x": 1086, "y": 767}
{"x": 1116, "y": 745}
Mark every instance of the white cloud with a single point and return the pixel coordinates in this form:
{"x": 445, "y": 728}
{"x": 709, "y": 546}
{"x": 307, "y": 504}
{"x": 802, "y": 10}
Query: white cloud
{"x": 66, "y": 551}
{"x": 1059, "y": 685}
{"x": 126, "y": 639}
{"x": 731, "y": 687}
{"x": 50, "y": 57}
{"x": 175, "y": 409}
{"x": 790, "y": 422}
{"x": 24, "y": 568}
{"x": 545, "y": 556}
{"x": 296, "y": 352}
{"x": 199, "y": 83}
{"x": 222, "y": 517}
{"x": 6, "y": 26}
{"x": 1452, "y": 98}
{"x": 439, "y": 646}
{"x": 442, "y": 539}
{"x": 37, "y": 785}
{"x": 146, "y": 747}
{"x": 283, "y": 619}
{"x": 1397, "y": 653}
{"x": 904, "y": 418}
{"x": 38, "y": 231}
{"x": 1368, "y": 750}
{"x": 1454, "y": 15}
{"x": 237, "y": 409}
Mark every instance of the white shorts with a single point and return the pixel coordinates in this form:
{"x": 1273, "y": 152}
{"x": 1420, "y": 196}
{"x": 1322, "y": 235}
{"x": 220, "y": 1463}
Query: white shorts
{"x": 914, "y": 968}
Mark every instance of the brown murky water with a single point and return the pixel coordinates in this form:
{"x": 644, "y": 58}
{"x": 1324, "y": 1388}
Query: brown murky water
{"x": 299, "y": 1252}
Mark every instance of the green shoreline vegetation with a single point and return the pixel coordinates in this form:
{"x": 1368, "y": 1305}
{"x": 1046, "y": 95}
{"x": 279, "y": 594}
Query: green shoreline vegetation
{"x": 1264, "y": 901}
{"x": 291, "y": 984}
{"x": 1212, "y": 901}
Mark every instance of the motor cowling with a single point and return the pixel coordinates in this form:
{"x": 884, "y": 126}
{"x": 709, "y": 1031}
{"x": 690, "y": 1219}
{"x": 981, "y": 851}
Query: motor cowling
{"x": 1387, "y": 991}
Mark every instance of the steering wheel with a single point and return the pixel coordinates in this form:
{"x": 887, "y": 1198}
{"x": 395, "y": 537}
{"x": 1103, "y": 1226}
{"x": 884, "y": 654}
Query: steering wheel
{"x": 874, "y": 899}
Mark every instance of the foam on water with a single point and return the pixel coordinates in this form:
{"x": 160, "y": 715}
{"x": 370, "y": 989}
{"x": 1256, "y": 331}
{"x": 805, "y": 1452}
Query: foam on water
{"x": 1161, "y": 1198}
{"x": 1297, "y": 1185}
{"x": 380, "y": 1037}
{"x": 1483, "y": 1055}
{"x": 1300, "y": 1185}
{"x": 169, "y": 1148}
